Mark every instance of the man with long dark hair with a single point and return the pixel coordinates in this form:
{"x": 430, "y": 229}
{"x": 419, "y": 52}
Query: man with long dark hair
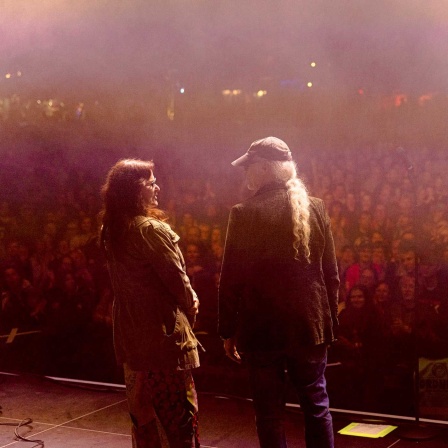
{"x": 278, "y": 293}
{"x": 154, "y": 308}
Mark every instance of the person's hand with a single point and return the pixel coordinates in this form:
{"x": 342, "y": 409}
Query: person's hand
{"x": 231, "y": 351}
{"x": 192, "y": 312}
{"x": 195, "y": 308}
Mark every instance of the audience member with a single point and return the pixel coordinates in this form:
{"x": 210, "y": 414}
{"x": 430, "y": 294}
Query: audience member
{"x": 358, "y": 334}
{"x": 21, "y": 305}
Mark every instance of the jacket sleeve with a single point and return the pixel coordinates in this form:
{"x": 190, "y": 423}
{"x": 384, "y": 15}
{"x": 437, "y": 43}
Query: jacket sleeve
{"x": 160, "y": 245}
{"x": 230, "y": 283}
{"x": 330, "y": 270}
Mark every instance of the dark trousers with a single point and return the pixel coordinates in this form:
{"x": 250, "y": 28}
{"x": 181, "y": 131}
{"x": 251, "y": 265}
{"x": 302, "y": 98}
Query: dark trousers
{"x": 305, "y": 368}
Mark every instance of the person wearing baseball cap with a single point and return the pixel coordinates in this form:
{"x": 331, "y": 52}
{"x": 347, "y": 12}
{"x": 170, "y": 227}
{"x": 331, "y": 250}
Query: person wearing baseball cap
{"x": 269, "y": 148}
{"x": 278, "y": 293}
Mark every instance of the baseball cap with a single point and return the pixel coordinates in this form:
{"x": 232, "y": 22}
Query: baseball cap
{"x": 269, "y": 148}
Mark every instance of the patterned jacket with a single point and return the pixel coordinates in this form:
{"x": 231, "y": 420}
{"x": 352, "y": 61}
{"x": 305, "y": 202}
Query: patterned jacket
{"x": 151, "y": 296}
{"x": 268, "y": 299}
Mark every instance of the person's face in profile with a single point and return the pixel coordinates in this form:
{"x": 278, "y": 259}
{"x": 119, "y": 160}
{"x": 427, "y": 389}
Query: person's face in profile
{"x": 150, "y": 191}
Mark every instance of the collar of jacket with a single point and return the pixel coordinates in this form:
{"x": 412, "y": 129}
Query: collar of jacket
{"x": 277, "y": 185}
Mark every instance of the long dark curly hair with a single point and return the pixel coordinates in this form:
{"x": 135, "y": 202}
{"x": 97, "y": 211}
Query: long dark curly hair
{"x": 123, "y": 199}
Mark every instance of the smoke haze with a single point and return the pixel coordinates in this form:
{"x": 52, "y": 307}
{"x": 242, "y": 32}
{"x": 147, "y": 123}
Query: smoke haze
{"x": 384, "y": 45}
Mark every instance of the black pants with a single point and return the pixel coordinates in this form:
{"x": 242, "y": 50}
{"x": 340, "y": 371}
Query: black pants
{"x": 305, "y": 368}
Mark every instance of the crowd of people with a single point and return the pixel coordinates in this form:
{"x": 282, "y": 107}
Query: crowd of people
{"x": 390, "y": 226}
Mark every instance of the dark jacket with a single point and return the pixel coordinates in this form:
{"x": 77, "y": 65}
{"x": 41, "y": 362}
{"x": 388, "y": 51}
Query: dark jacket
{"x": 268, "y": 299}
{"x": 151, "y": 296}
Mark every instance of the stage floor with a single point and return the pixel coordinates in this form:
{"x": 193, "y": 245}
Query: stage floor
{"x": 86, "y": 415}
